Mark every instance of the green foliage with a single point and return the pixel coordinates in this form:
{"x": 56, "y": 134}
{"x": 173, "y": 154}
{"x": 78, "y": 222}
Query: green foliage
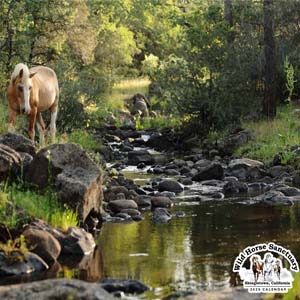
{"x": 274, "y": 137}
{"x": 84, "y": 139}
{"x": 294, "y": 292}
{"x": 14, "y": 250}
{"x": 290, "y": 78}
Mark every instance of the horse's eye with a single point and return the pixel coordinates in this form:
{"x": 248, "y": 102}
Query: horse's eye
{"x": 30, "y": 87}
{"x": 20, "y": 88}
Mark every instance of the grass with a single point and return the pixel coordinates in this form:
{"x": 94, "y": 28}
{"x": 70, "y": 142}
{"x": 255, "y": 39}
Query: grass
{"x": 84, "y": 139}
{"x": 273, "y": 137}
{"x": 158, "y": 122}
{"x": 32, "y": 204}
{"x": 126, "y": 89}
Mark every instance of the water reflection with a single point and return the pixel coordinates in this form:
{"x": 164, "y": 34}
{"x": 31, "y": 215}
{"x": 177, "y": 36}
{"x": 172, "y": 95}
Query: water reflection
{"x": 197, "y": 251}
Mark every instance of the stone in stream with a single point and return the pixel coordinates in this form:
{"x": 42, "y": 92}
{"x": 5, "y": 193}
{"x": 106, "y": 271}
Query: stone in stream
{"x": 43, "y": 244}
{"x": 288, "y": 191}
{"x": 118, "y": 205}
{"x": 21, "y": 264}
{"x": 170, "y": 186}
{"x": 243, "y": 168}
{"x": 128, "y": 286}
{"x": 212, "y": 171}
{"x": 144, "y": 156}
{"x": 277, "y": 171}
{"x": 131, "y": 212}
{"x": 172, "y": 172}
{"x": 50, "y": 289}
{"x": 143, "y": 202}
{"x": 274, "y": 198}
{"x": 161, "y": 202}
{"x": 161, "y": 215}
{"x": 235, "y": 187}
{"x": 74, "y": 241}
{"x": 77, "y": 179}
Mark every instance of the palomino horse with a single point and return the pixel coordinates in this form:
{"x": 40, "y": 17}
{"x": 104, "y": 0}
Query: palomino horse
{"x": 257, "y": 266}
{"x": 31, "y": 92}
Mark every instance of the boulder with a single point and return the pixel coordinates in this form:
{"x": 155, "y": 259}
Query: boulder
{"x": 170, "y": 186}
{"x": 234, "y": 141}
{"x": 77, "y": 179}
{"x": 161, "y": 215}
{"x": 50, "y": 289}
{"x": 274, "y": 198}
{"x": 277, "y": 171}
{"x": 161, "y": 202}
{"x": 23, "y": 264}
{"x": 18, "y": 142}
{"x": 212, "y": 171}
{"x": 140, "y": 156}
{"x": 235, "y": 187}
{"x": 76, "y": 241}
{"x": 243, "y": 168}
{"x": 43, "y": 244}
{"x": 10, "y": 160}
{"x": 117, "y": 206}
{"x": 128, "y": 286}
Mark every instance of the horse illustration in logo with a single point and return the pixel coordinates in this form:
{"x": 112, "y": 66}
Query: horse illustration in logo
{"x": 268, "y": 267}
{"x": 257, "y": 266}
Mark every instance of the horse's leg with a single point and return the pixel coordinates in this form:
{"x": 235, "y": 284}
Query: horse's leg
{"x": 41, "y": 128}
{"x": 32, "y": 119}
{"x": 11, "y": 120}
{"x": 53, "y": 123}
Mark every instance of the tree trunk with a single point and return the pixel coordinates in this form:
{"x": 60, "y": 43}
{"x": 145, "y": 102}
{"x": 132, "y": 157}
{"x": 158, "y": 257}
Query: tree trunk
{"x": 229, "y": 19}
{"x": 269, "y": 102}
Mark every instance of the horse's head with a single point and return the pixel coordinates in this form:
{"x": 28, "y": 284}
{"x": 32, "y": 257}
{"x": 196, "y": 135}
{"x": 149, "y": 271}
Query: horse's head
{"x": 22, "y": 82}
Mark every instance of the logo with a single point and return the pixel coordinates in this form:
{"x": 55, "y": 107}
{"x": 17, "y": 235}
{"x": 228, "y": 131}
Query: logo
{"x": 267, "y": 272}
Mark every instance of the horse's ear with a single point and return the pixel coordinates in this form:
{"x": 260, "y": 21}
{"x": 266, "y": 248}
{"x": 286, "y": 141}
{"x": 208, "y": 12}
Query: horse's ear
{"x": 32, "y": 74}
{"x": 21, "y": 73}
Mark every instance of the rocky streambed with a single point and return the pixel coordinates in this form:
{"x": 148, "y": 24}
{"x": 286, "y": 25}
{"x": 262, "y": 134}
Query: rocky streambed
{"x": 173, "y": 216}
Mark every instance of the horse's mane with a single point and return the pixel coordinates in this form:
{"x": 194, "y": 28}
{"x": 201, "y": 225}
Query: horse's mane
{"x": 17, "y": 70}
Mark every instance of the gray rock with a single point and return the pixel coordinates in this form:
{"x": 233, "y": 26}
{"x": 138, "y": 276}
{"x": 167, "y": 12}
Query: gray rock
{"x": 131, "y": 212}
{"x": 31, "y": 263}
{"x": 42, "y": 243}
{"x": 118, "y": 205}
{"x": 18, "y": 142}
{"x": 76, "y": 241}
{"x": 277, "y": 171}
{"x": 213, "y": 171}
{"x": 288, "y": 191}
{"x": 9, "y": 160}
{"x": 78, "y": 180}
{"x": 235, "y": 187}
{"x": 172, "y": 172}
{"x": 232, "y": 142}
{"x": 55, "y": 289}
{"x": 143, "y": 202}
{"x": 170, "y": 186}
{"x": 128, "y": 286}
{"x": 244, "y": 168}
{"x": 161, "y": 202}
{"x": 274, "y": 198}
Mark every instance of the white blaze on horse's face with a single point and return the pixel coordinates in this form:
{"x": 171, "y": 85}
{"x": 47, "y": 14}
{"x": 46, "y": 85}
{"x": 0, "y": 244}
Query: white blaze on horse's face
{"x": 24, "y": 90}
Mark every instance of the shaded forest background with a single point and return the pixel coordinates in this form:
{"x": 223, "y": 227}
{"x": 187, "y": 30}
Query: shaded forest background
{"x": 212, "y": 63}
